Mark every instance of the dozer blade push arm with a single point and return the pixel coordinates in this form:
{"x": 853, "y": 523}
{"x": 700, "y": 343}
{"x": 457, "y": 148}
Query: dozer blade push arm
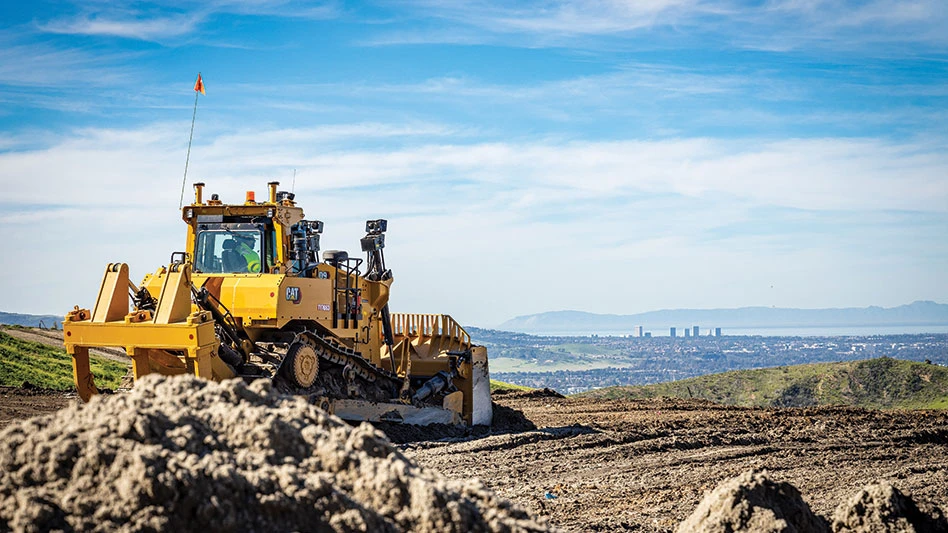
{"x": 228, "y": 327}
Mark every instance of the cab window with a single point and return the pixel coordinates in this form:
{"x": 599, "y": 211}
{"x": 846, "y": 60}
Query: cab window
{"x": 228, "y": 251}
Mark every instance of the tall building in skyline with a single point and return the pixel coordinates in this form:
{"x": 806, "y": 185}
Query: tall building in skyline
{"x": 673, "y": 332}
{"x": 717, "y": 332}
{"x": 696, "y": 331}
{"x": 638, "y": 331}
{"x": 687, "y": 332}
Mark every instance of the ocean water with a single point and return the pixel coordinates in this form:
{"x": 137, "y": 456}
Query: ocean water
{"x": 844, "y": 331}
{"x": 796, "y": 331}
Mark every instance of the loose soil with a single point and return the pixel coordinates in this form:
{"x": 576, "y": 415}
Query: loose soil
{"x": 18, "y": 403}
{"x": 646, "y": 465}
{"x": 182, "y": 453}
{"x": 753, "y": 502}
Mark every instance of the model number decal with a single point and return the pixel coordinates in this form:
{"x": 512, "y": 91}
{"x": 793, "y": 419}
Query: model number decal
{"x": 322, "y": 307}
{"x": 293, "y": 294}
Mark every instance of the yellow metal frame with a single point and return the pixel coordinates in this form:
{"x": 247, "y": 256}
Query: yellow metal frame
{"x": 147, "y": 339}
{"x": 421, "y": 341}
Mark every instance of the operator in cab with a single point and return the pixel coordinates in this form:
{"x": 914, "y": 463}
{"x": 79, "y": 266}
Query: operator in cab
{"x": 239, "y": 255}
{"x": 245, "y": 249}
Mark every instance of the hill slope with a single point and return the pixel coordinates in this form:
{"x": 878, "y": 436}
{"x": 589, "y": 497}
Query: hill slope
{"x": 49, "y": 367}
{"x": 874, "y": 383}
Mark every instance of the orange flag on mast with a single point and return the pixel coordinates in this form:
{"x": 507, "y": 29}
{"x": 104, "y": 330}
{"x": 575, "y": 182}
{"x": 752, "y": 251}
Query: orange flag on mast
{"x": 199, "y": 85}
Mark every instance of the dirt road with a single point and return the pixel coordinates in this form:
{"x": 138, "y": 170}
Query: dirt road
{"x": 644, "y": 465}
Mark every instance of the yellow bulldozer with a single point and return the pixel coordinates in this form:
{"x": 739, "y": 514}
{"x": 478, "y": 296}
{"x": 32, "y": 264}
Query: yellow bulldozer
{"x": 251, "y": 298}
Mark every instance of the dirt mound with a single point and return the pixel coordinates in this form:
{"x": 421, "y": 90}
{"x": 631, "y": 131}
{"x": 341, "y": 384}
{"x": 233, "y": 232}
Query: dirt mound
{"x": 510, "y": 420}
{"x": 534, "y": 393}
{"x": 187, "y": 454}
{"x": 882, "y": 508}
{"x": 753, "y": 502}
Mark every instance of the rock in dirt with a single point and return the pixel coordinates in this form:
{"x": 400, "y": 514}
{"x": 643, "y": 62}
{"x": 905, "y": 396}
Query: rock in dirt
{"x": 752, "y": 502}
{"x": 882, "y": 508}
{"x": 187, "y": 454}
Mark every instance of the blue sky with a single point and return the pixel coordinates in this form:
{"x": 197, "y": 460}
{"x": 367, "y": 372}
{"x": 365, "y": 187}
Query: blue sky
{"x": 611, "y": 157}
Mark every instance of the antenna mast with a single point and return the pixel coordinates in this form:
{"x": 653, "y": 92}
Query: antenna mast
{"x": 198, "y": 90}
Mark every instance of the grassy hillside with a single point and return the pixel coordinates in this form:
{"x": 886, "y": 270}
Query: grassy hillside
{"x": 48, "y": 367}
{"x": 501, "y": 385}
{"x": 882, "y": 383}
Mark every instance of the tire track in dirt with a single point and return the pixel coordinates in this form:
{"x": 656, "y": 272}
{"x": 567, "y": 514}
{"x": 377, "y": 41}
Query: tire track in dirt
{"x": 17, "y": 403}
{"x": 645, "y": 465}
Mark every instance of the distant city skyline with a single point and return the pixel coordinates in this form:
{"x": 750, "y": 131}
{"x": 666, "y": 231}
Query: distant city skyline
{"x": 529, "y": 156}
{"x": 917, "y": 317}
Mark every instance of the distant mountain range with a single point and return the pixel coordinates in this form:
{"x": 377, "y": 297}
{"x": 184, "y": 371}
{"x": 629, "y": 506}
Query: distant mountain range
{"x": 20, "y": 319}
{"x": 920, "y": 313}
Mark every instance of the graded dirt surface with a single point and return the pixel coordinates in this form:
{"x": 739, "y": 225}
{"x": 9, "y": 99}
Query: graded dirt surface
{"x": 17, "y": 403}
{"x": 646, "y": 465}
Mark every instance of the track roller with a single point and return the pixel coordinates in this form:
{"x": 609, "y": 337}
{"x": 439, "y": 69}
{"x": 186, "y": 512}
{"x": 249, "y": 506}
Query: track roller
{"x": 301, "y": 364}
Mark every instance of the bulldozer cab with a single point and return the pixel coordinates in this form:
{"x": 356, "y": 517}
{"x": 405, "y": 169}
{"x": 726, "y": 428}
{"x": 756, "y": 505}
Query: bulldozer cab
{"x": 252, "y": 238}
{"x": 237, "y": 247}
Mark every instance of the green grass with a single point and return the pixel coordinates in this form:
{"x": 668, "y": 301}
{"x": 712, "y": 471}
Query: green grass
{"x": 882, "y": 383}
{"x": 500, "y": 385}
{"x": 49, "y": 367}
{"x": 936, "y": 404}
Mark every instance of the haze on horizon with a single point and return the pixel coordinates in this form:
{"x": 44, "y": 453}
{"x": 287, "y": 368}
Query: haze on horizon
{"x": 610, "y": 157}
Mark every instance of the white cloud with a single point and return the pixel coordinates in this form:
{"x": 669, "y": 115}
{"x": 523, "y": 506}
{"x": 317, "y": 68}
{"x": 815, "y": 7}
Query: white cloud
{"x": 777, "y": 25}
{"x": 101, "y": 165}
{"x": 305, "y": 9}
{"x": 144, "y": 28}
{"x": 651, "y": 219}
{"x": 40, "y": 64}
{"x": 569, "y": 17}
{"x": 157, "y": 22}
